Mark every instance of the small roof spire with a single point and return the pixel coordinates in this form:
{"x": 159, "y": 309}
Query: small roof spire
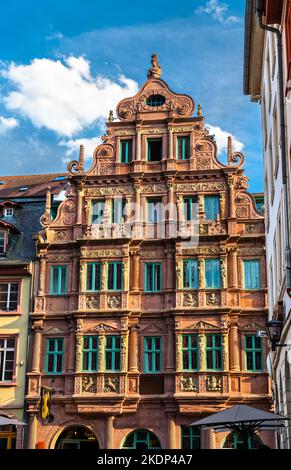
{"x": 156, "y": 70}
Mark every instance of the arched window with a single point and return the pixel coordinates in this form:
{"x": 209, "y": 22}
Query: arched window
{"x": 141, "y": 439}
{"x": 234, "y": 441}
{"x": 155, "y": 100}
{"x": 77, "y": 437}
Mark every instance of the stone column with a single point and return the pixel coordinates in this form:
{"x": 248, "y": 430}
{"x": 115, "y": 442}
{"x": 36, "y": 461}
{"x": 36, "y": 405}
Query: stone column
{"x": 223, "y": 271}
{"x": 202, "y": 358}
{"x": 170, "y": 142}
{"x": 128, "y": 209}
{"x": 78, "y": 361}
{"x": 164, "y": 147}
{"x": 125, "y": 272}
{"x": 137, "y": 203}
{"x": 75, "y": 275}
{"x": 101, "y": 352}
{"x": 135, "y": 271}
{"x": 233, "y": 263}
{"x": 210, "y": 439}
{"x": 201, "y": 206}
{"x": 104, "y": 267}
{"x": 234, "y": 348}
{"x": 32, "y": 430}
{"x": 79, "y": 204}
{"x": 178, "y": 352}
{"x": 231, "y": 197}
{"x": 38, "y": 328}
{"x": 138, "y": 144}
{"x": 201, "y": 273}
{"x": 133, "y": 349}
{"x": 225, "y": 348}
{"x": 110, "y": 432}
{"x": 88, "y": 208}
{"x": 71, "y": 359}
{"x": 222, "y": 205}
{"x": 170, "y": 365}
{"x": 171, "y": 444}
{"x": 180, "y": 209}
{"x": 82, "y": 279}
{"x": 124, "y": 351}
{"x": 170, "y": 274}
{"x": 42, "y": 272}
{"x": 179, "y": 274}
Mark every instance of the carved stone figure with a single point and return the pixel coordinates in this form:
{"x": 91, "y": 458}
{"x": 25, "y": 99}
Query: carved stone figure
{"x": 189, "y": 384}
{"x": 213, "y": 383}
{"x": 156, "y": 70}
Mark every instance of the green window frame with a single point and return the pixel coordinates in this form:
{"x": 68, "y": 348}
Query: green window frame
{"x": 154, "y": 210}
{"x": 97, "y": 211}
{"x": 126, "y": 151}
{"x": 190, "y": 274}
{"x": 212, "y": 273}
{"x": 190, "y": 437}
{"x": 90, "y": 353}
{"x": 152, "y": 354}
{"x": 112, "y": 353}
{"x": 211, "y": 207}
{"x": 153, "y": 277}
{"x": 141, "y": 439}
{"x": 54, "y": 355}
{"x": 93, "y": 277}
{"x": 252, "y": 274}
{"x": 190, "y": 352}
{"x": 191, "y": 208}
{"x": 115, "y": 276}
{"x": 183, "y": 147}
{"x": 59, "y": 280}
{"x": 213, "y": 348}
{"x": 118, "y": 210}
{"x": 234, "y": 441}
{"x": 253, "y": 353}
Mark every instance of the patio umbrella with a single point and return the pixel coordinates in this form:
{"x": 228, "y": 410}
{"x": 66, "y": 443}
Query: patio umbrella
{"x": 4, "y": 421}
{"x": 241, "y": 419}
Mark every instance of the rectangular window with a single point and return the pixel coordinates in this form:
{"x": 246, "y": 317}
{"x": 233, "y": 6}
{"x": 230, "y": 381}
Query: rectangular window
{"x": 252, "y": 274}
{"x": 213, "y": 352}
{"x": 97, "y": 212}
{"x": 183, "y": 148}
{"x": 190, "y": 274}
{"x": 154, "y": 210}
{"x": 59, "y": 280}
{"x": 7, "y": 355}
{"x": 191, "y": 208}
{"x": 190, "y": 352}
{"x": 9, "y": 292}
{"x": 2, "y": 242}
{"x": 253, "y": 353}
{"x": 155, "y": 150}
{"x": 93, "y": 278}
{"x": 152, "y": 354}
{"x": 126, "y": 151}
{"x": 211, "y": 207}
{"x": 212, "y": 273}
{"x": 90, "y": 353}
{"x": 191, "y": 437}
{"x": 118, "y": 211}
{"x": 54, "y": 355}
{"x": 115, "y": 276}
{"x": 153, "y": 277}
{"x": 112, "y": 353}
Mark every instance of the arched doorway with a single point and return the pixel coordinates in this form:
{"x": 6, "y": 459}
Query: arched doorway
{"x": 141, "y": 439}
{"x": 77, "y": 437}
{"x": 233, "y": 441}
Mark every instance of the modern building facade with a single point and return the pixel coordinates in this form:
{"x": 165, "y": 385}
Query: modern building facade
{"x": 267, "y": 80}
{"x": 150, "y": 288}
{"x": 22, "y": 202}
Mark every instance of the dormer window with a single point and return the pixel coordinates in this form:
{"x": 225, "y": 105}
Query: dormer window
{"x": 8, "y": 212}
{"x": 156, "y": 100}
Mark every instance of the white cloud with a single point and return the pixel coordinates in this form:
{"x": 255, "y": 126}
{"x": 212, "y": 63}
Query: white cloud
{"x": 6, "y": 124}
{"x": 221, "y": 139}
{"x": 218, "y": 11}
{"x": 73, "y": 147}
{"x": 63, "y": 96}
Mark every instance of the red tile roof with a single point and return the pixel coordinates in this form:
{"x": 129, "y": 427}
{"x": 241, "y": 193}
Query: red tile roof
{"x": 10, "y": 186}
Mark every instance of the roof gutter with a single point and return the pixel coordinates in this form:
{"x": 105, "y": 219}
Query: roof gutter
{"x": 247, "y": 48}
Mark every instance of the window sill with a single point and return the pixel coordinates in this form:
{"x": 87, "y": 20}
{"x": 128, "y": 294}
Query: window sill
{"x": 10, "y": 312}
{"x": 8, "y": 384}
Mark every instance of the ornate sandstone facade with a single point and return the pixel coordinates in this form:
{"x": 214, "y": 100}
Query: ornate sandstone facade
{"x": 143, "y": 307}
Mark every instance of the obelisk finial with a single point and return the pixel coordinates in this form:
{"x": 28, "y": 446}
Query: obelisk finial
{"x": 81, "y": 158}
{"x": 156, "y": 70}
{"x": 229, "y": 150}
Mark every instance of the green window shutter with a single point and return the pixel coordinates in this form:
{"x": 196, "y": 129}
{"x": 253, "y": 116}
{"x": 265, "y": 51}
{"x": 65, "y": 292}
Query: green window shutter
{"x": 190, "y": 274}
{"x": 59, "y": 280}
{"x": 93, "y": 277}
{"x": 211, "y": 207}
{"x": 191, "y": 208}
{"x": 183, "y": 147}
{"x": 152, "y": 354}
{"x": 252, "y": 274}
{"x": 212, "y": 273}
{"x": 90, "y": 353}
{"x": 54, "y": 355}
{"x": 153, "y": 277}
{"x": 115, "y": 276}
{"x": 126, "y": 151}
{"x": 190, "y": 437}
{"x": 190, "y": 352}
{"x": 112, "y": 353}
{"x": 213, "y": 352}
{"x": 97, "y": 212}
{"x": 253, "y": 353}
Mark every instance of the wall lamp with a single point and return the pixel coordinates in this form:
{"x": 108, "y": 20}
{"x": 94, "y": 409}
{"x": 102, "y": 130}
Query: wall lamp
{"x": 274, "y": 329}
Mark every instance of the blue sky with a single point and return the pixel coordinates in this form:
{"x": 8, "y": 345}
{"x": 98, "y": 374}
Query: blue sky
{"x": 65, "y": 64}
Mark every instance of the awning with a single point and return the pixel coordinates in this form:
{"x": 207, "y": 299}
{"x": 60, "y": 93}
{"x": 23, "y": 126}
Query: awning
{"x": 4, "y": 421}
